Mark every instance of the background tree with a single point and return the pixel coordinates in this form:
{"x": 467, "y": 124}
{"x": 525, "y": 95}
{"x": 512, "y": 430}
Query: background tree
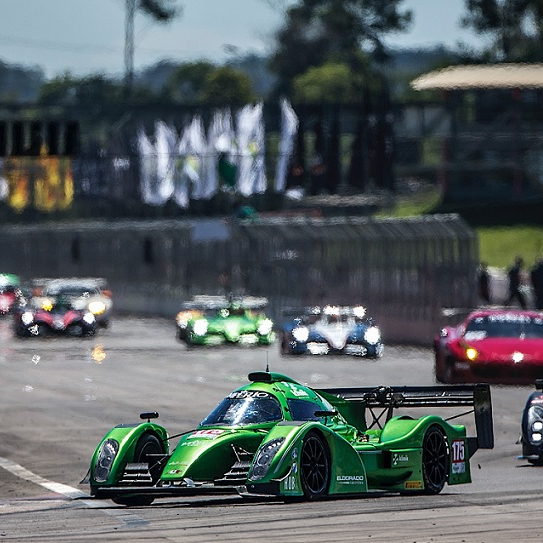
{"x": 187, "y": 81}
{"x": 227, "y": 86}
{"x": 318, "y": 31}
{"x": 514, "y": 27}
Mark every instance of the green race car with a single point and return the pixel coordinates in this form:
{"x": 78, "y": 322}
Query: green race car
{"x": 277, "y": 437}
{"x": 235, "y": 321}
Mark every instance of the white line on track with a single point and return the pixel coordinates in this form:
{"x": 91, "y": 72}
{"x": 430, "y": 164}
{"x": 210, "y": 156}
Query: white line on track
{"x": 128, "y": 518}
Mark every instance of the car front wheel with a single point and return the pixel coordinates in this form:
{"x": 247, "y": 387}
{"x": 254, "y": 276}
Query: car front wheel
{"x": 314, "y": 466}
{"x": 148, "y": 446}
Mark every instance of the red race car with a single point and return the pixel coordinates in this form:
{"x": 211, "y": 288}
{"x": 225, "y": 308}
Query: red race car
{"x": 55, "y": 317}
{"x": 491, "y": 346}
{"x": 10, "y": 293}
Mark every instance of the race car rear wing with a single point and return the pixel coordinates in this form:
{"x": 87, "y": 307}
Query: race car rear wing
{"x": 388, "y": 398}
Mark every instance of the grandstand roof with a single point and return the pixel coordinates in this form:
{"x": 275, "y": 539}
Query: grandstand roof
{"x": 487, "y": 76}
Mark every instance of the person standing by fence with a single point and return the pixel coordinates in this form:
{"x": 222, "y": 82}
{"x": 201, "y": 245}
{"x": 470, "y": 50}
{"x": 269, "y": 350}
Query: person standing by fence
{"x": 536, "y": 277}
{"x": 515, "y": 281}
{"x": 483, "y": 283}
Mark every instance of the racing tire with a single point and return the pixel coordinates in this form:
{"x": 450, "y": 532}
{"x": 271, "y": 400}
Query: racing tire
{"x": 148, "y": 445}
{"x": 435, "y": 460}
{"x": 42, "y": 330}
{"x": 285, "y": 349}
{"x": 75, "y": 330}
{"x": 536, "y": 461}
{"x": 445, "y": 374}
{"x": 314, "y": 466}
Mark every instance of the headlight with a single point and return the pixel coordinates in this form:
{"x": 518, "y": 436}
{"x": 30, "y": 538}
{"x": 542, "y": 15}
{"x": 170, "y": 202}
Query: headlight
{"x": 300, "y": 334}
{"x": 536, "y": 437}
{"x": 263, "y": 458}
{"x": 106, "y": 457}
{"x": 200, "y": 327}
{"x": 471, "y": 354}
{"x": 97, "y": 308}
{"x": 89, "y": 318}
{"x": 537, "y": 426}
{"x": 372, "y": 335}
{"x": 182, "y": 319}
{"x": 265, "y": 327}
{"x": 27, "y": 317}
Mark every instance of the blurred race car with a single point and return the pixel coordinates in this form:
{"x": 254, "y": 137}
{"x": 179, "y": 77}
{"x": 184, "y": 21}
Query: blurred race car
{"x": 491, "y": 345}
{"x": 331, "y": 330}
{"x": 11, "y": 294}
{"x": 531, "y": 437}
{"x": 277, "y": 437}
{"x": 55, "y": 317}
{"x": 199, "y": 306}
{"x": 233, "y": 321}
{"x": 85, "y": 294}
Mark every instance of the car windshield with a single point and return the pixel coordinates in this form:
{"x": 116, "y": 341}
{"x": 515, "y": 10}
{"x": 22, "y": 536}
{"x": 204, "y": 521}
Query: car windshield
{"x": 504, "y": 325}
{"x": 245, "y": 407}
{"x": 335, "y": 319}
{"x": 72, "y": 291}
{"x": 8, "y": 289}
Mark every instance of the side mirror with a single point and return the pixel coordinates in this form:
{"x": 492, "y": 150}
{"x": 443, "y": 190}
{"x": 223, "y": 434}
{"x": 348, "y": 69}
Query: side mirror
{"x": 325, "y": 413}
{"x": 149, "y": 415}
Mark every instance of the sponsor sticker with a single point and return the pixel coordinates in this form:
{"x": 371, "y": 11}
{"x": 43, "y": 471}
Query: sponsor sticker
{"x": 458, "y": 452}
{"x": 350, "y": 479}
{"x": 291, "y": 483}
{"x": 399, "y": 457}
{"x": 413, "y": 485}
{"x": 206, "y": 434}
{"x": 242, "y": 394}
{"x": 296, "y": 391}
{"x": 193, "y": 443}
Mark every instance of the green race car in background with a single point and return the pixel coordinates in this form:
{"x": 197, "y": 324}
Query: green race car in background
{"x": 235, "y": 321}
{"x": 277, "y": 437}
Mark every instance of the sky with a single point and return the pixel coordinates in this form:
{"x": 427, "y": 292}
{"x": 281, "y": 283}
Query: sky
{"x": 87, "y": 36}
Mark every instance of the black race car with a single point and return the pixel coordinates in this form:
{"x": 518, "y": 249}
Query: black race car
{"x": 531, "y": 437}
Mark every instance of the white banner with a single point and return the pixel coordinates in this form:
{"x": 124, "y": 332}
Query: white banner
{"x": 166, "y": 149}
{"x": 289, "y": 128}
{"x": 148, "y": 170}
{"x": 252, "y": 169}
{"x": 189, "y": 166}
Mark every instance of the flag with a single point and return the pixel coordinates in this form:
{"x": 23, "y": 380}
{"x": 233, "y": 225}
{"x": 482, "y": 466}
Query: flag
{"x": 223, "y": 167}
{"x": 289, "y": 127}
{"x": 148, "y": 169}
{"x": 166, "y": 151}
{"x": 189, "y": 165}
{"x": 252, "y": 171}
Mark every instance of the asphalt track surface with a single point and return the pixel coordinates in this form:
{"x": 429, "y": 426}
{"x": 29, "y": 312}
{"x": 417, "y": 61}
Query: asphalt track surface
{"x": 60, "y": 396}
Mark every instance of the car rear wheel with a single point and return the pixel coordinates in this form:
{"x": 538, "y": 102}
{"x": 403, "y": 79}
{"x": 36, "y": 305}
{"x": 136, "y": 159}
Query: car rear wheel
{"x": 445, "y": 370}
{"x": 285, "y": 348}
{"x": 435, "y": 460}
{"x": 148, "y": 446}
{"x": 75, "y": 330}
{"x": 314, "y": 466}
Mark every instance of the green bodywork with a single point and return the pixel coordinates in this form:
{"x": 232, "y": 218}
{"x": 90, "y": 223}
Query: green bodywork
{"x": 227, "y": 327}
{"x": 9, "y": 279}
{"x": 387, "y": 457}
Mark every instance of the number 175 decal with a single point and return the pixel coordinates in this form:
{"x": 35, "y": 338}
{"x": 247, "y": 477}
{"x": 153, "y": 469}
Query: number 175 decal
{"x": 458, "y": 450}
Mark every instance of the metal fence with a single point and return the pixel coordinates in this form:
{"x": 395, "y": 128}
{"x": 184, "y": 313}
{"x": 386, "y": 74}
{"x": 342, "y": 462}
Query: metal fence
{"x": 402, "y": 270}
